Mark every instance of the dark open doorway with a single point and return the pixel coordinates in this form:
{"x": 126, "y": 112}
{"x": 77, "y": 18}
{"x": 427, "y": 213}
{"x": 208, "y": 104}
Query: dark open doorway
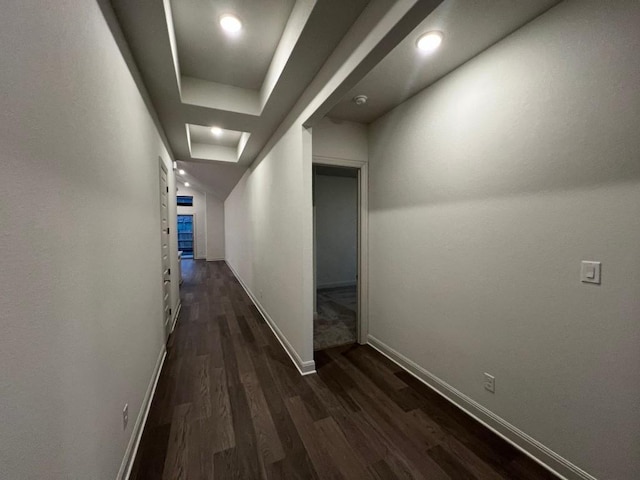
{"x": 336, "y": 256}
{"x": 185, "y": 235}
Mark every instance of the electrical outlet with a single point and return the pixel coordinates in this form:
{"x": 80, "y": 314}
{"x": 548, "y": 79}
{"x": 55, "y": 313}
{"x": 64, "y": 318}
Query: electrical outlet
{"x": 125, "y": 416}
{"x": 489, "y": 383}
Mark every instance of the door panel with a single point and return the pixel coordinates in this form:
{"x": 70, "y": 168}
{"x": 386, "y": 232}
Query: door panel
{"x": 166, "y": 259}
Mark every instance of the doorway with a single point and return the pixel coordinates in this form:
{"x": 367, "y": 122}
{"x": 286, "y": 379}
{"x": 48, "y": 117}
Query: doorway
{"x": 185, "y": 235}
{"x": 336, "y": 212}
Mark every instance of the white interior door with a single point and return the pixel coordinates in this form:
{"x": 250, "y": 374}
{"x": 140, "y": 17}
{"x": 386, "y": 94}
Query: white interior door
{"x": 166, "y": 259}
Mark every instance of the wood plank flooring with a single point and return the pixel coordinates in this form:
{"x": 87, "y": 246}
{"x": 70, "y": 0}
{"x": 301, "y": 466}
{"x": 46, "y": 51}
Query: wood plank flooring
{"x": 230, "y": 405}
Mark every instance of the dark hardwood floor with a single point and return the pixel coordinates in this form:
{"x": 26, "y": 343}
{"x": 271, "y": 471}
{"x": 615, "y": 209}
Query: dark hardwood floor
{"x": 230, "y": 404}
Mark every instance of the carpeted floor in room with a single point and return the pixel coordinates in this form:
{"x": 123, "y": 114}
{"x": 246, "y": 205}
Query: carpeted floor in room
{"x": 335, "y": 322}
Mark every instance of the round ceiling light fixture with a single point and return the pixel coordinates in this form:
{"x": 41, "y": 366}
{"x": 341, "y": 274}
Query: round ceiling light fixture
{"x": 230, "y": 23}
{"x": 360, "y": 99}
{"x": 187, "y": 184}
{"x": 217, "y": 131}
{"x": 429, "y": 42}
{"x": 181, "y": 172}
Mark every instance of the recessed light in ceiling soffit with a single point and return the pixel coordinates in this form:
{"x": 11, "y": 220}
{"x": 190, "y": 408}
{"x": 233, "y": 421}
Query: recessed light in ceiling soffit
{"x": 230, "y": 23}
{"x": 429, "y": 42}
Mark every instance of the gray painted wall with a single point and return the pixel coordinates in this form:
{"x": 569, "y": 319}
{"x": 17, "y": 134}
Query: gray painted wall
{"x": 81, "y": 302}
{"x": 336, "y": 202}
{"x": 269, "y": 239}
{"x": 340, "y": 139}
{"x": 215, "y": 228}
{"x": 486, "y": 192}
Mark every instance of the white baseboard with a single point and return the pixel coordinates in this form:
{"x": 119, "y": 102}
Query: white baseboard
{"x": 519, "y": 439}
{"x": 305, "y": 368}
{"x": 348, "y": 283}
{"x": 138, "y": 428}
{"x": 175, "y": 317}
{"x": 216, "y": 259}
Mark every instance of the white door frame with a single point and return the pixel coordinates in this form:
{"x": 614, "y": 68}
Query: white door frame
{"x": 363, "y": 239}
{"x": 193, "y": 221}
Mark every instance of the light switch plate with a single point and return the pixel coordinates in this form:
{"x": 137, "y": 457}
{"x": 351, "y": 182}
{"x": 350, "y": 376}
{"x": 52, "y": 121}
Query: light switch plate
{"x": 590, "y": 272}
{"x": 489, "y": 382}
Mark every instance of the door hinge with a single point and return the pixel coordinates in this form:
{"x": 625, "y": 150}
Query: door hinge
{"x": 168, "y": 230}
{"x": 169, "y": 271}
{"x": 169, "y": 311}
{"x": 167, "y": 189}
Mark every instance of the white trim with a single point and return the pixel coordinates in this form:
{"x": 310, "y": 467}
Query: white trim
{"x": 138, "y": 428}
{"x": 516, "y": 437}
{"x": 338, "y": 162}
{"x": 305, "y": 368}
{"x": 307, "y": 252}
{"x": 363, "y": 237}
{"x": 363, "y": 260}
{"x": 348, "y": 283}
{"x": 217, "y": 259}
{"x": 195, "y": 231}
{"x": 175, "y": 317}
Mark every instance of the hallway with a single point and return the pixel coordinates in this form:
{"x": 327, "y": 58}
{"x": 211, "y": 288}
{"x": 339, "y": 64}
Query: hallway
{"x": 230, "y": 404}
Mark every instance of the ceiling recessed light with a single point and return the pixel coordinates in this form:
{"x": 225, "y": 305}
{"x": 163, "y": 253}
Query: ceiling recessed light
{"x": 187, "y": 184}
{"x": 429, "y": 42}
{"x": 217, "y": 131}
{"x": 230, "y": 23}
{"x": 181, "y": 172}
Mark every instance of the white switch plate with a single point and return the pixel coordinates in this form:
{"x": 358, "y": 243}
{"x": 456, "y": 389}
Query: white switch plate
{"x": 489, "y": 382}
{"x": 590, "y": 272}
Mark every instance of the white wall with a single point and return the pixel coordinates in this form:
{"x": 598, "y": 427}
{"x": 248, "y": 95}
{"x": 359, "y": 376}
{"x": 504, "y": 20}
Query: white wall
{"x": 215, "y": 228}
{"x": 486, "y": 192}
{"x": 334, "y": 138}
{"x": 268, "y": 239}
{"x": 81, "y": 303}
{"x": 199, "y": 212}
{"x": 336, "y": 202}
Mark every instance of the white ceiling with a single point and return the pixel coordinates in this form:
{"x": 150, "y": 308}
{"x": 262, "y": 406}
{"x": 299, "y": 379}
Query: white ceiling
{"x": 200, "y": 134}
{"x": 208, "y": 178}
{"x": 469, "y": 27}
{"x": 197, "y": 78}
{"x": 205, "y": 52}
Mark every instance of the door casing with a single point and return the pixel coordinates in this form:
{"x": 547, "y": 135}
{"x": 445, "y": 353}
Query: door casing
{"x": 362, "y": 320}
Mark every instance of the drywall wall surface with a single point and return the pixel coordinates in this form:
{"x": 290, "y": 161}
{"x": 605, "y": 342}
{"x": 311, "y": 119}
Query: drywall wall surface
{"x": 342, "y": 139}
{"x": 199, "y": 212}
{"x": 80, "y": 276}
{"x": 215, "y": 228}
{"x": 336, "y": 202}
{"x": 238, "y": 232}
{"x": 486, "y": 192}
{"x": 266, "y": 215}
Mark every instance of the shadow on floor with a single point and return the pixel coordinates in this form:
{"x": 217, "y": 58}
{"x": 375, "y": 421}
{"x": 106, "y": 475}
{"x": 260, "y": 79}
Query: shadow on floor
{"x": 335, "y": 322}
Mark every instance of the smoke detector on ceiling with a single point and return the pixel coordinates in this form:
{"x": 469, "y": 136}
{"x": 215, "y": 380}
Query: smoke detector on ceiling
{"x": 360, "y": 99}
